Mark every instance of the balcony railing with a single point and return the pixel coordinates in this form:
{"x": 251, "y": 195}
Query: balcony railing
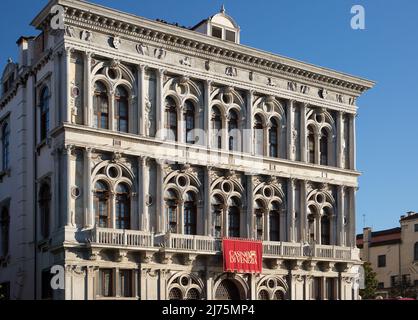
{"x": 191, "y": 243}
{"x": 138, "y": 240}
{"x": 122, "y": 238}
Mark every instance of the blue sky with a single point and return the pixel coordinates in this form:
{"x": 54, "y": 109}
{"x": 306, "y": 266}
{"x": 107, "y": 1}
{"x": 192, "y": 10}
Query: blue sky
{"x": 317, "y": 32}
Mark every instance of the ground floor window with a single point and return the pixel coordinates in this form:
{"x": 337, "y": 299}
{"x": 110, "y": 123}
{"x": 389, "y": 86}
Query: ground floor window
{"x": 106, "y": 283}
{"x": 126, "y": 283}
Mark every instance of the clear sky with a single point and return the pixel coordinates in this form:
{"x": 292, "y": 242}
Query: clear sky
{"x": 317, "y": 32}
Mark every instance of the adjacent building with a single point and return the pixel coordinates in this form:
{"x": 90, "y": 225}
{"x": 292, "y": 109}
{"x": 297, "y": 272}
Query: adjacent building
{"x": 131, "y": 148}
{"x": 393, "y": 254}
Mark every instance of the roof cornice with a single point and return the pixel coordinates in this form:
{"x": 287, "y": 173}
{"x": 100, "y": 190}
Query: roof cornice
{"x": 130, "y": 25}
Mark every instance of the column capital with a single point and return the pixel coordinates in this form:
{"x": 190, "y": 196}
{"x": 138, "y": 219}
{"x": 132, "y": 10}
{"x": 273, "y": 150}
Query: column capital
{"x": 141, "y": 67}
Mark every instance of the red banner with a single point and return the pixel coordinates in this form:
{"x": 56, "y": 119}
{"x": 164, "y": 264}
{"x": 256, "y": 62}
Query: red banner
{"x": 243, "y": 256}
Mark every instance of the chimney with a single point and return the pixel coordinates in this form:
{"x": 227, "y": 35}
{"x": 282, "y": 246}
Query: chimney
{"x": 23, "y": 45}
{"x": 367, "y": 239}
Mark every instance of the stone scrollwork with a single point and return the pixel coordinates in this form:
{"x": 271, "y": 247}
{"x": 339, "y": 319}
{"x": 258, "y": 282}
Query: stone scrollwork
{"x": 271, "y": 82}
{"x": 304, "y": 89}
{"x": 116, "y": 42}
{"x": 69, "y": 31}
{"x": 292, "y": 86}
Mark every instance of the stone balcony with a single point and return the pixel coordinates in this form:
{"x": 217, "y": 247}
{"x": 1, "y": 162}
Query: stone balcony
{"x": 194, "y": 245}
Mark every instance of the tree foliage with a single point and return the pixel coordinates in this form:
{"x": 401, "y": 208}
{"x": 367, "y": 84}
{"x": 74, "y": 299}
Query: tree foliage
{"x": 370, "y": 282}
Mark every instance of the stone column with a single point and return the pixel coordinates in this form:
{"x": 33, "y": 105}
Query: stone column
{"x": 143, "y": 183}
{"x": 208, "y": 112}
{"x": 340, "y": 219}
{"x": 250, "y": 232}
{"x": 161, "y": 219}
{"x": 340, "y": 139}
{"x": 160, "y": 103}
{"x": 283, "y": 224}
{"x": 352, "y": 218}
{"x": 141, "y": 99}
{"x": 56, "y": 91}
{"x": 352, "y": 133}
{"x": 67, "y": 152}
{"x": 66, "y": 82}
{"x": 112, "y": 112}
{"x": 291, "y": 154}
{"x": 56, "y": 186}
{"x": 88, "y": 196}
{"x": 303, "y": 137}
{"x": 303, "y": 211}
{"x": 291, "y": 210}
{"x": 248, "y": 134}
{"x": 88, "y": 94}
{"x": 207, "y": 216}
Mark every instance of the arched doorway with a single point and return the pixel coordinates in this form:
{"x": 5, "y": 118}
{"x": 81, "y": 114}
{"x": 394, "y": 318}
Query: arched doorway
{"x": 227, "y": 290}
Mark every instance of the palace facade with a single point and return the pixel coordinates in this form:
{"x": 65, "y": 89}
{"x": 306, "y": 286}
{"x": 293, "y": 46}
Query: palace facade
{"x": 131, "y": 147}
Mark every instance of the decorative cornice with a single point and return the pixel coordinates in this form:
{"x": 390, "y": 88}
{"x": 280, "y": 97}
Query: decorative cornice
{"x": 117, "y": 23}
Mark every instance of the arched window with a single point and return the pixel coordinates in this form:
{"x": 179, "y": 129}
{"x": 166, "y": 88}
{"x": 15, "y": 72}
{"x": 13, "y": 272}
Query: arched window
{"x": 123, "y": 212}
{"x": 227, "y": 290}
{"x": 122, "y": 109}
{"x": 175, "y": 294}
{"x": 325, "y": 230}
{"x": 44, "y": 113}
{"x": 258, "y": 136}
{"x": 263, "y": 295}
{"x": 259, "y": 219}
{"x": 273, "y": 138}
{"x": 274, "y": 217}
{"x": 323, "y": 147}
{"x": 171, "y": 119}
{"x": 311, "y": 224}
{"x": 171, "y": 206}
{"x": 190, "y": 214}
{"x": 4, "y": 232}
{"x": 190, "y": 122}
{"x": 416, "y": 251}
{"x": 101, "y": 106}
{"x": 217, "y": 209}
{"x": 234, "y": 218}
{"x": 233, "y": 130}
{"x": 193, "y": 294}
{"x": 45, "y": 209}
{"x": 278, "y": 295}
{"x": 5, "y": 146}
{"x": 311, "y": 146}
{"x": 101, "y": 204}
{"x": 216, "y": 128}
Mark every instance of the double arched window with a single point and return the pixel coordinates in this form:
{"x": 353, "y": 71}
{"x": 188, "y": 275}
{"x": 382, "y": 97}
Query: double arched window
{"x": 216, "y": 128}
{"x": 217, "y": 212}
{"x": 267, "y": 220}
{"x": 4, "y": 231}
{"x": 45, "y": 209}
{"x": 122, "y": 205}
{"x": 101, "y": 106}
{"x": 171, "y": 119}
{"x": 325, "y": 228}
{"x": 173, "y": 208}
{"x": 122, "y": 109}
{"x": 44, "y": 113}
{"x": 5, "y": 146}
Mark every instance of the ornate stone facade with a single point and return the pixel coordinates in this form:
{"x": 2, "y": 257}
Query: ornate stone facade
{"x": 162, "y": 140}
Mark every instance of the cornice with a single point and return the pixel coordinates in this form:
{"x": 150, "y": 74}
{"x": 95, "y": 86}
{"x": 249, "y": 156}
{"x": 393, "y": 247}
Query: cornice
{"x": 111, "y": 21}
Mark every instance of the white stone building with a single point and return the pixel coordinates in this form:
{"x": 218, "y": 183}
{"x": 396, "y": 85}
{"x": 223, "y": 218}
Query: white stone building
{"x": 130, "y": 147}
